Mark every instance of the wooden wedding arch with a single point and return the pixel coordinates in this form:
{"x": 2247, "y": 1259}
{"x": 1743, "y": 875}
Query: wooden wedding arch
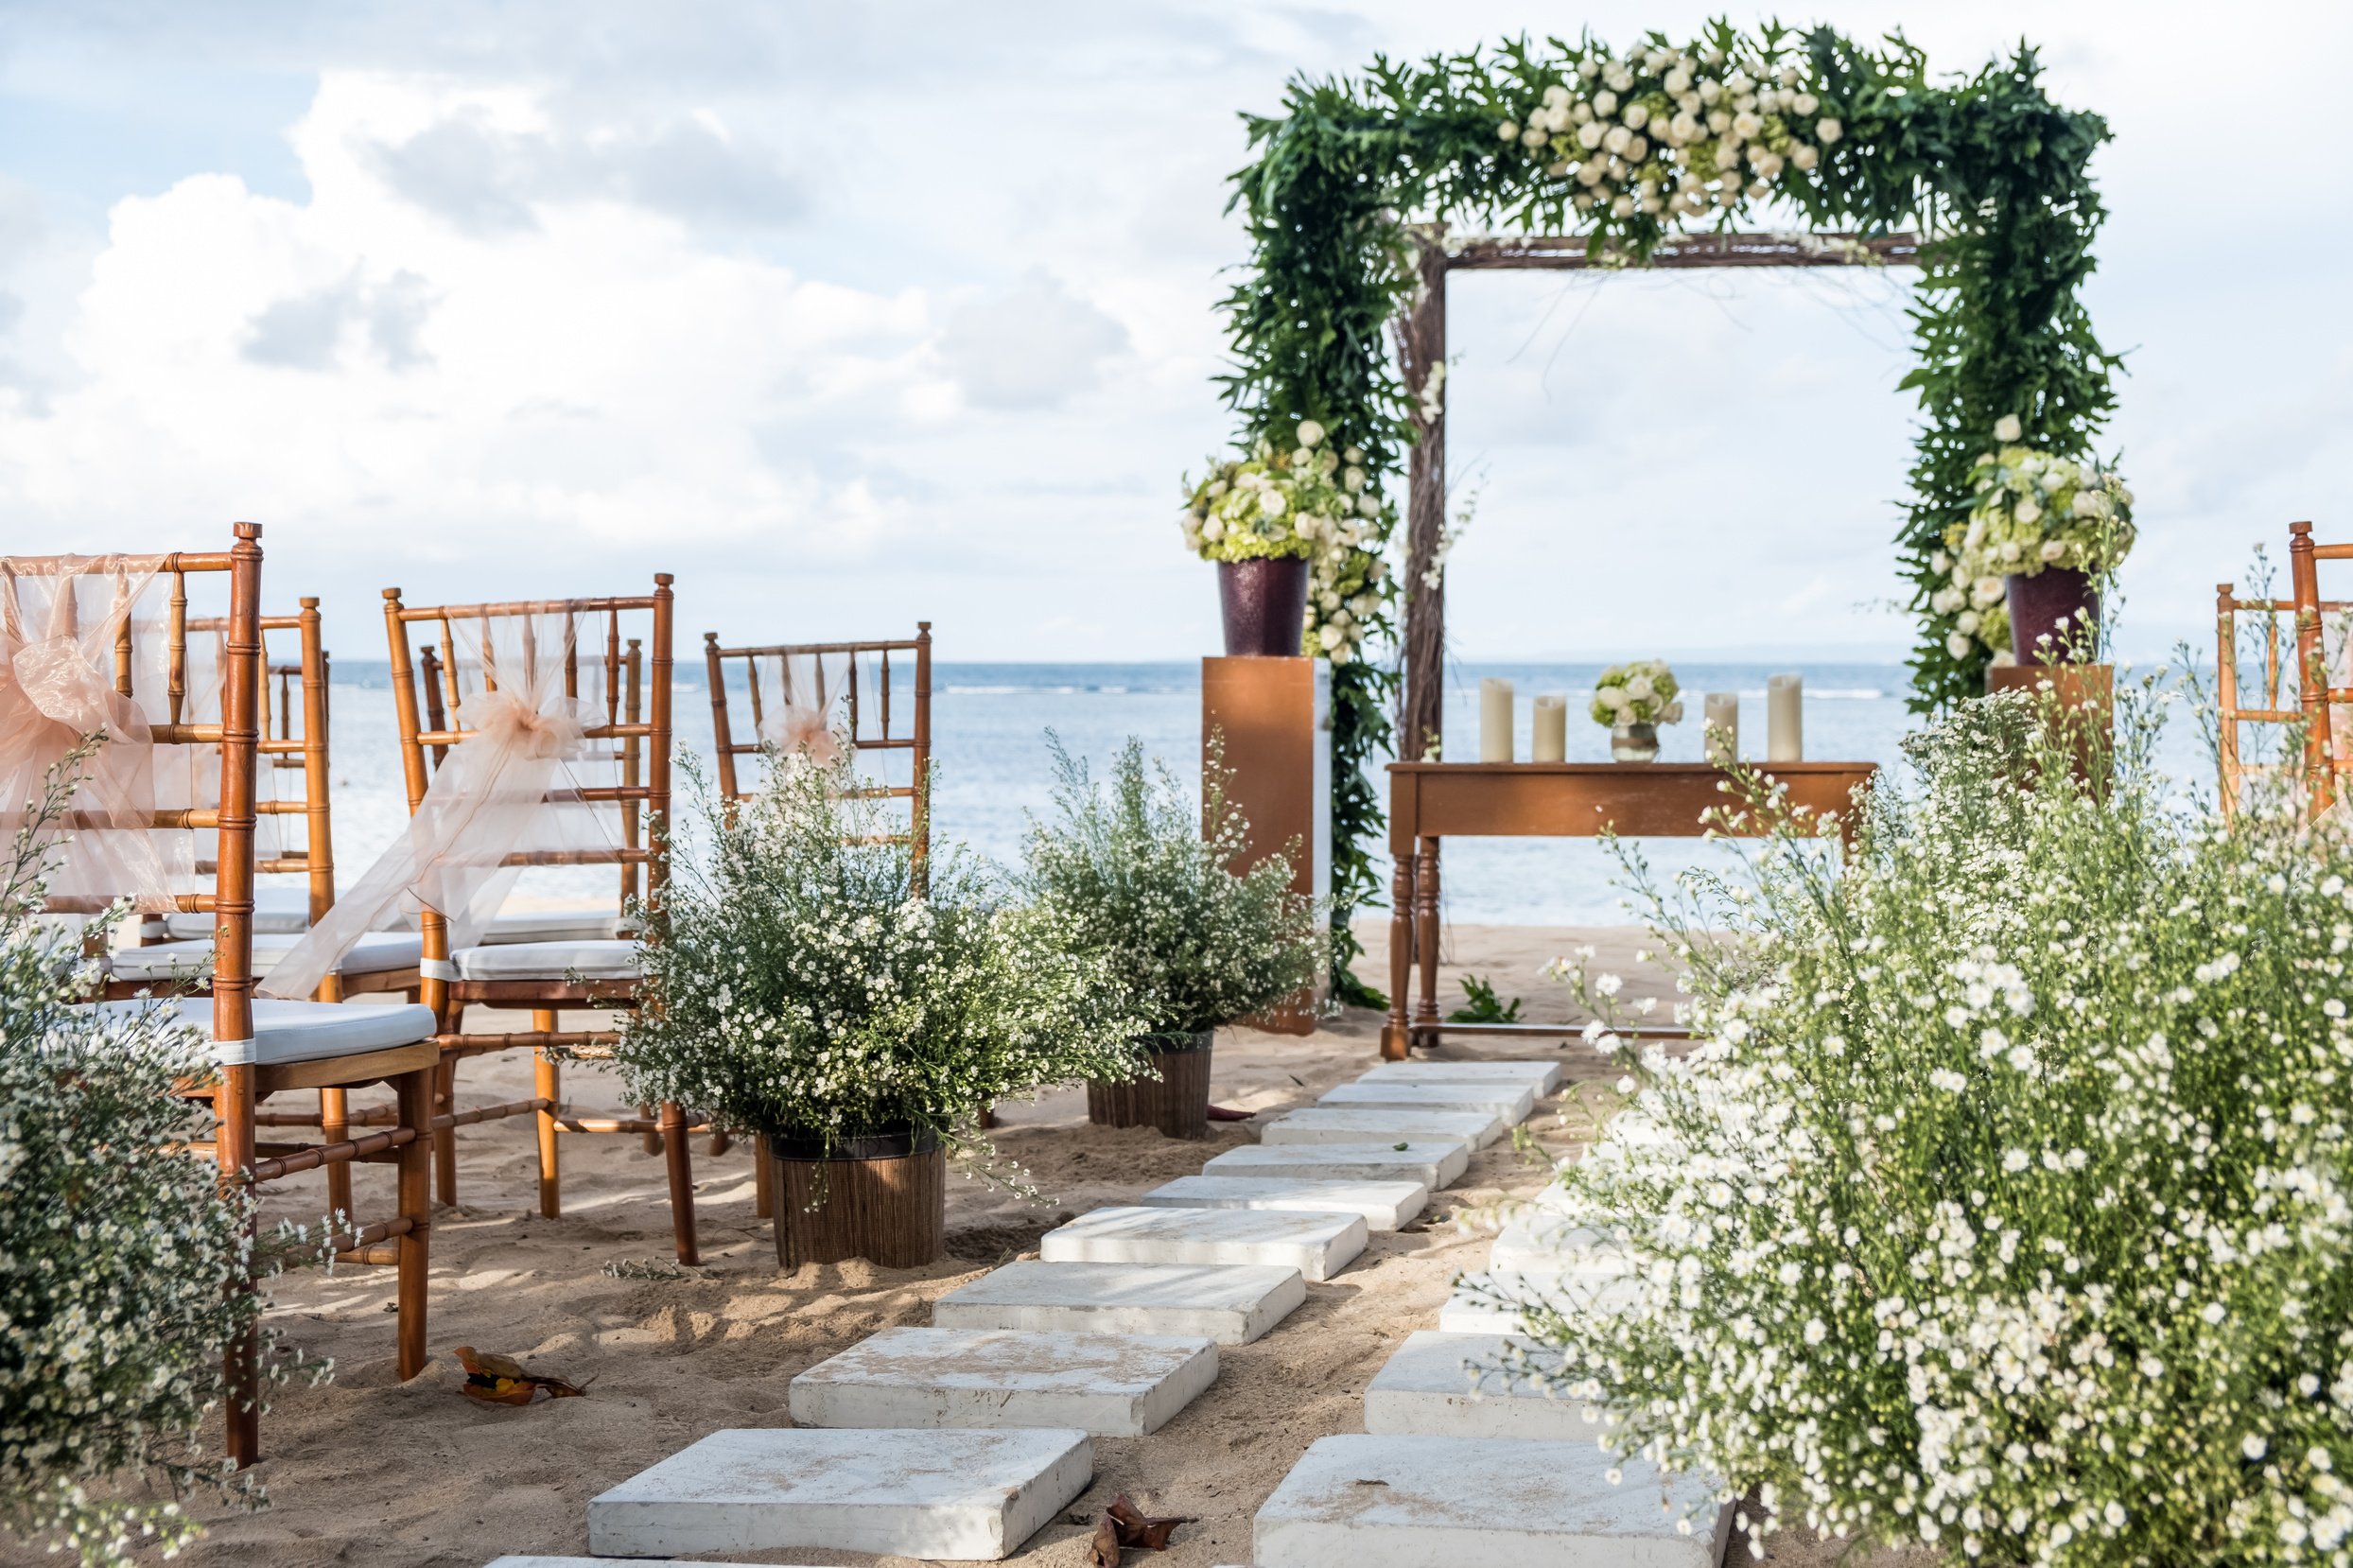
{"x": 1421, "y": 346}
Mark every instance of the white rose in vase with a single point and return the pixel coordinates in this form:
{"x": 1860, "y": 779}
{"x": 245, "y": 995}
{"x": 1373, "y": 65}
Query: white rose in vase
{"x": 1639, "y": 688}
{"x": 1270, "y": 502}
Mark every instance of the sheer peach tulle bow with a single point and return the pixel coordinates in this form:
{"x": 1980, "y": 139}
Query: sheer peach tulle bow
{"x": 518, "y": 730}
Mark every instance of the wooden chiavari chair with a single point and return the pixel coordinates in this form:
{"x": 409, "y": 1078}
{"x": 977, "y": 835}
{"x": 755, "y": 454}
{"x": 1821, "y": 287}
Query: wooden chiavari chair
{"x": 2231, "y": 696}
{"x": 293, "y": 784}
{"x": 553, "y": 974}
{"x": 2326, "y": 755}
{"x": 867, "y": 695}
{"x": 264, "y": 1047}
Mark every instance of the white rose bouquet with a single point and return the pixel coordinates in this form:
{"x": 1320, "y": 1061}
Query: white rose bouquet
{"x": 1643, "y": 692}
{"x": 2033, "y": 511}
{"x": 1312, "y": 503}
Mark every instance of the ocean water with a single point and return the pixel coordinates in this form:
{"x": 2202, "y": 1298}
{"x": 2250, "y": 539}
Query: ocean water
{"x": 990, "y": 724}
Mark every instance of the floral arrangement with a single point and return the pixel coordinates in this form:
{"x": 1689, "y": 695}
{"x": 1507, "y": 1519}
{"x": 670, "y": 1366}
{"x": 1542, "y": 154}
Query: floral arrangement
{"x": 1140, "y": 877}
{"x": 122, "y": 1264}
{"x": 1676, "y": 132}
{"x": 1643, "y": 692}
{"x": 2032, "y": 511}
{"x": 2003, "y": 1209}
{"x": 808, "y": 980}
{"x": 1309, "y": 503}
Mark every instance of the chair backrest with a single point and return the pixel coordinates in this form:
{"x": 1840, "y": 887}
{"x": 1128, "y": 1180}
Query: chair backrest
{"x": 295, "y": 767}
{"x": 68, "y": 613}
{"x": 868, "y": 687}
{"x": 2326, "y": 754}
{"x": 616, "y": 686}
{"x": 2239, "y": 699}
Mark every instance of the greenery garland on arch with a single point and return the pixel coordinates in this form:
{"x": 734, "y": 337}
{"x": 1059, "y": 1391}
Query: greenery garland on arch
{"x": 1631, "y": 148}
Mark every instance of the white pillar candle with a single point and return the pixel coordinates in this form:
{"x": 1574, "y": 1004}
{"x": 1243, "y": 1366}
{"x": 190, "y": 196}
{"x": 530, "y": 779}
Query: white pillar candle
{"x": 1494, "y": 720}
{"x": 1724, "y": 727}
{"x": 1552, "y": 729}
{"x": 1784, "y": 719}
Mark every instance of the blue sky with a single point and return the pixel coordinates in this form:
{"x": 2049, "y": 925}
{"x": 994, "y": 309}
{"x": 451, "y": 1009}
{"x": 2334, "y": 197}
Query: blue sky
{"x": 851, "y": 315}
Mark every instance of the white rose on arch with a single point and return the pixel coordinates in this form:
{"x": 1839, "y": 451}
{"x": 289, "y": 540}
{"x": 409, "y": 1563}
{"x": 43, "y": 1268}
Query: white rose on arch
{"x": 2007, "y": 427}
{"x": 1828, "y": 131}
{"x": 1311, "y": 433}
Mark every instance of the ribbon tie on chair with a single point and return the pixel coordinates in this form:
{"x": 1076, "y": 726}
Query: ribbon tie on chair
{"x": 512, "y": 727}
{"x": 487, "y": 802}
{"x": 53, "y": 693}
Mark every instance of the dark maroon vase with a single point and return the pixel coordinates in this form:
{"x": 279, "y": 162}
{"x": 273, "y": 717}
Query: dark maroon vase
{"x": 2038, "y": 604}
{"x": 1266, "y": 607}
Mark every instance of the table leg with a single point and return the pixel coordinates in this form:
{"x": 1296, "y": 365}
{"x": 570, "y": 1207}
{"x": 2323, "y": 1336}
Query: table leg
{"x": 1425, "y": 934}
{"x": 1396, "y": 1038}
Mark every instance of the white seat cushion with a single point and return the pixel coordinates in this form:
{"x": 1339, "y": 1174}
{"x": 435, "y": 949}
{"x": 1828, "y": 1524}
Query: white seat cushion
{"x": 606, "y": 960}
{"x": 278, "y": 911}
{"x": 554, "y": 924}
{"x": 374, "y": 953}
{"x": 302, "y": 1031}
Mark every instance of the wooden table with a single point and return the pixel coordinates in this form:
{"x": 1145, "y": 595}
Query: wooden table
{"x": 1429, "y": 801}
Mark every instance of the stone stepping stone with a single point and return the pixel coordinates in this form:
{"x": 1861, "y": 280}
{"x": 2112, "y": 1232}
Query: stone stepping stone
{"x": 1402, "y": 1502}
{"x": 1489, "y": 1302}
{"x": 964, "y": 1495}
{"x": 1317, "y": 1244}
{"x": 530, "y": 1561}
{"x": 1544, "y": 1076}
{"x": 1118, "y": 1385}
{"x": 1385, "y": 1204}
{"x": 1356, "y": 1124}
{"x": 1457, "y": 1385}
{"x": 1512, "y": 1102}
{"x": 1432, "y": 1163}
{"x": 1540, "y": 1243}
{"x": 1230, "y": 1305}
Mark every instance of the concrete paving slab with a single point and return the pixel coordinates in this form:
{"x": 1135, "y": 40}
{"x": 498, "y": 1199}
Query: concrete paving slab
{"x": 1407, "y": 1502}
{"x": 1460, "y": 1385}
{"x": 536, "y": 1562}
{"x": 1512, "y": 1102}
{"x": 1434, "y": 1162}
{"x": 1318, "y": 1245}
{"x": 1543, "y": 1074}
{"x": 1489, "y": 1302}
{"x": 1385, "y": 1204}
{"x": 1231, "y": 1305}
{"x": 1334, "y": 1124}
{"x": 1114, "y": 1384}
{"x": 1537, "y": 1241}
{"x": 964, "y": 1495}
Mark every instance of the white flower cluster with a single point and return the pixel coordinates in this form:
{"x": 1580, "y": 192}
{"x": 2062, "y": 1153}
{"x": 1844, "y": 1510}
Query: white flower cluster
{"x": 1643, "y": 692}
{"x": 2004, "y": 1209}
{"x": 1310, "y": 502}
{"x": 123, "y": 1268}
{"x": 1674, "y": 132}
{"x": 1142, "y": 875}
{"x": 2033, "y": 511}
{"x": 812, "y": 984}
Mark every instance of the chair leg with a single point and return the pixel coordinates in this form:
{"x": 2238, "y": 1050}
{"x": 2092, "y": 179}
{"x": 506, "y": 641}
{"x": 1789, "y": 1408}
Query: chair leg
{"x": 722, "y": 1141}
{"x": 445, "y": 1139}
{"x": 681, "y": 1181}
{"x": 232, "y": 1146}
{"x": 548, "y": 1078}
{"x": 763, "y": 1178}
{"x": 649, "y": 1142}
{"x": 334, "y": 1127}
{"x": 415, "y": 1091}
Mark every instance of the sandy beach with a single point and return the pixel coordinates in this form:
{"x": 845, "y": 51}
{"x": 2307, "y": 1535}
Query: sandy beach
{"x": 364, "y": 1470}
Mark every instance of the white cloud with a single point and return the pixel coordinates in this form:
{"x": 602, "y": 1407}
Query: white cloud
{"x": 1032, "y": 346}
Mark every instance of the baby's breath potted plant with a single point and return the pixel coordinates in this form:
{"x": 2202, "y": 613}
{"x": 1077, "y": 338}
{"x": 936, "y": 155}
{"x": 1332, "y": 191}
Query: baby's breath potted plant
{"x": 809, "y": 982}
{"x": 2000, "y": 1209}
{"x": 1140, "y": 879}
{"x": 122, "y": 1263}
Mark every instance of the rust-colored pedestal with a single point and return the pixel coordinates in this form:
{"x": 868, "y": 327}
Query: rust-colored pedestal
{"x": 1275, "y": 716}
